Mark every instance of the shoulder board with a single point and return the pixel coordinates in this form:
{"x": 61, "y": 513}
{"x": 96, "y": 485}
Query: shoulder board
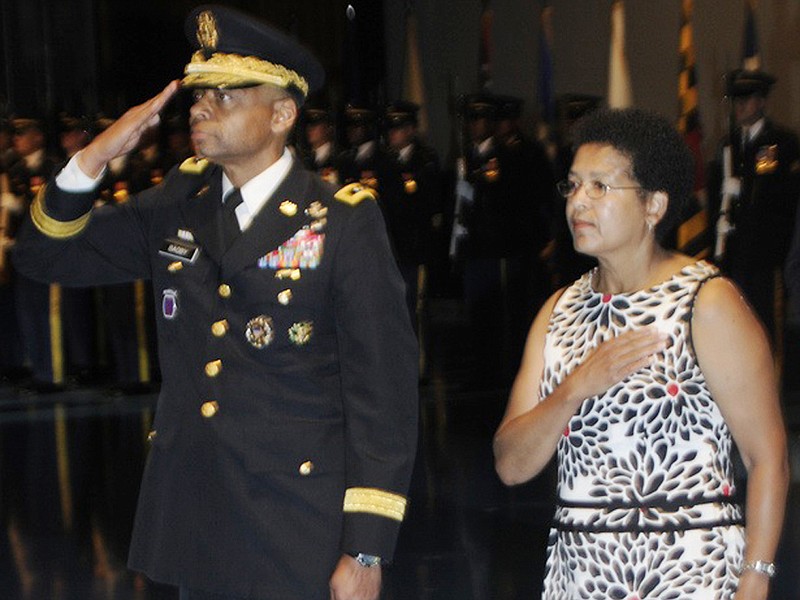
{"x": 354, "y": 193}
{"x": 194, "y": 165}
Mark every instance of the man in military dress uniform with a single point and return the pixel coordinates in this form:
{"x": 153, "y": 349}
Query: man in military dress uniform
{"x": 38, "y": 304}
{"x": 489, "y": 222}
{"x": 12, "y": 357}
{"x": 365, "y": 160}
{"x": 762, "y": 188}
{"x": 319, "y": 147}
{"x": 284, "y": 436}
{"x": 531, "y": 184}
{"x": 414, "y": 202}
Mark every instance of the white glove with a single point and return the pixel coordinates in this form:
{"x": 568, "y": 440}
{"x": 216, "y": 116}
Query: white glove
{"x": 724, "y": 225}
{"x": 731, "y": 186}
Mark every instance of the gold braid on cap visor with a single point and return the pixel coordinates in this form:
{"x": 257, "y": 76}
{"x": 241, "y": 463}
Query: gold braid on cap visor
{"x": 233, "y": 70}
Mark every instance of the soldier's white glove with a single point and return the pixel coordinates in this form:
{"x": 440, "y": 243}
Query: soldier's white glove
{"x": 11, "y": 203}
{"x": 731, "y": 186}
{"x": 724, "y": 226}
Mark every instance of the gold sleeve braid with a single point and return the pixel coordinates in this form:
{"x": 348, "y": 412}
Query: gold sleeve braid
{"x": 376, "y": 502}
{"x": 54, "y": 228}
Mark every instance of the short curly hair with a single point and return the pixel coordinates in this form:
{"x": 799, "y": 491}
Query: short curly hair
{"x": 660, "y": 159}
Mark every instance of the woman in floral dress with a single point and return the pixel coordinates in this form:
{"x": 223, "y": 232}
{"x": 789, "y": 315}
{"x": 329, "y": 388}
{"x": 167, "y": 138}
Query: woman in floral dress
{"x": 639, "y": 377}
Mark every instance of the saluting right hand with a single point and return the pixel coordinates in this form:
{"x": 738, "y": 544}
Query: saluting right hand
{"x": 124, "y": 134}
{"x": 615, "y": 359}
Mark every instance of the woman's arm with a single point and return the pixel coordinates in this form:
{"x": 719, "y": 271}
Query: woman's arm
{"x": 528, "y": 435}
{"x": 735, "y": 356}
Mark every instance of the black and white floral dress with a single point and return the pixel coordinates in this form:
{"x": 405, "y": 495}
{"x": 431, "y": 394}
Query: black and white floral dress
{"x": 645, "y": 481}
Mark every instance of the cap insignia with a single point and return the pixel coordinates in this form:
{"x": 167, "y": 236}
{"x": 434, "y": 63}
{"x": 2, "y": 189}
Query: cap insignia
{"x": 207, "y": 34}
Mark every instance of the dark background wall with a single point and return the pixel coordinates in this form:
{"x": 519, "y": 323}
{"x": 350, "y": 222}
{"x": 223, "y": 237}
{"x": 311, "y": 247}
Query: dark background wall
{"x": 90, "y": 55}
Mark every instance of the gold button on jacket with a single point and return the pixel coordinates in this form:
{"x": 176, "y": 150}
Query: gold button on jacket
{"x": 209, "y": 409}
{"x": 213, "y": 368}
{"x": 220, "y": 328}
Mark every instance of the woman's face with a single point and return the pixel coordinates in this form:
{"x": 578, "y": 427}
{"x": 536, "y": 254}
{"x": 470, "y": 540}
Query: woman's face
{"x": 615, "y": 223}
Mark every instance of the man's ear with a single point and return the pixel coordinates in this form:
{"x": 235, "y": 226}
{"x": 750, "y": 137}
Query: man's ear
{"x": 284, "y": 115}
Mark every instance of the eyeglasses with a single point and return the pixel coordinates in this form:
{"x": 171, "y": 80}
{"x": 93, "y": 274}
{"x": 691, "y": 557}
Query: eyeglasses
{"x": 594, "y": 189}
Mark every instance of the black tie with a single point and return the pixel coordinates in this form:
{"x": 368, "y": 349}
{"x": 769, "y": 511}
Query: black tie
{"x": 230, "y": 224}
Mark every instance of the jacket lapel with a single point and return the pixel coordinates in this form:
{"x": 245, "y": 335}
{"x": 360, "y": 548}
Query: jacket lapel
{"x": 202, "y": 214}
{"x": 274, "y": 224}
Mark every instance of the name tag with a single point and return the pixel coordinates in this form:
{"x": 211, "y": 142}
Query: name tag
{"x": 178, "y": 249}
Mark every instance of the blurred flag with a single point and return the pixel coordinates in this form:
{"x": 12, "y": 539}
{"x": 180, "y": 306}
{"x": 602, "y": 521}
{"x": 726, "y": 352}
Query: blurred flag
{"x": 547, "y": 102}
{"x": 485, "y": 50}
{"x": 620, "y": 94}
{"x": 751, "y": 57}
{"x": 693, "y": 234}
{"x": 413, "y": 81}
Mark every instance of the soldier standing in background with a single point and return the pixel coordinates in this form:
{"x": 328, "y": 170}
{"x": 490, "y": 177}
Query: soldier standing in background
{"x": 319, "y": 140}
{"x": 531, "y": 187}
{"x": 762, "y": 191}
{"x": 413, "y": 202}
{"x": 364, "y": 161}
{"x": 127, "y": 307}
{"x": 77, "y": 304}
{"x": 38, "y": 304}
{"x": 488, "y": 221}
{"x": 12, "y": 357}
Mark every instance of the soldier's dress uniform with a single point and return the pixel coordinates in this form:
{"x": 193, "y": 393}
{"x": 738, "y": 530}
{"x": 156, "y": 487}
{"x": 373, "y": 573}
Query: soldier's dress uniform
{"x": 411, "y": 201}
{"x": 128, "y": 307}
{"x": 322, "y": 160}
{"x": 768, "y": 166}
{"x": 285, "y": 430}
{"x": 38, "y": 305}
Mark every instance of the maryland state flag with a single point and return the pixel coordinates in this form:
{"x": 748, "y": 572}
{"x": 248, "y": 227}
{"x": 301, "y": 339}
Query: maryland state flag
{"x": 693, "y": 236}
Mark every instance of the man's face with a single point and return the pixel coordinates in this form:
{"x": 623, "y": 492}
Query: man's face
{"x": 479, "y": 129}
{"x": 28, "y": 141}
{"x": 318, "y": 133}
{"x": 237, "y": 126}
{"x": 401, "y": 136}
{"x": 748, "y": 109}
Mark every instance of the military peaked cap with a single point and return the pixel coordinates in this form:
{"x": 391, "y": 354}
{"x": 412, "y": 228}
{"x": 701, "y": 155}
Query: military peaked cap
{"x": 236, "y": 50}
{"x": 743, "y": 82}
{"x": 357, "y": 114}
{"x": 401, "y": 113}
{"x": 479, "y": 106}
{"x": 509, "y": 107}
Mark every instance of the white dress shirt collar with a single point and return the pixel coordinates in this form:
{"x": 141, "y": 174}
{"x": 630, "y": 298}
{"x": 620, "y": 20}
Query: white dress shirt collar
{"x": 258, "y": 190}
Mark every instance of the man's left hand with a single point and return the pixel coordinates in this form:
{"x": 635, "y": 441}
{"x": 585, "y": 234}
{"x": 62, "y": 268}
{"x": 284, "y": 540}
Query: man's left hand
{"x": 351, "y": 581}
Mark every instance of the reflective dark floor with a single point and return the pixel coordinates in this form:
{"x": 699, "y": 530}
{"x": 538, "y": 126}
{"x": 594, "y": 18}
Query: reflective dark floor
{"x": 70, "y": 465}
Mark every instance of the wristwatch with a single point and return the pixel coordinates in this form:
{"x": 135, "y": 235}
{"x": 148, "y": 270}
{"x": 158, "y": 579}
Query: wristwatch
{"x": 760, "y": 566}
{"x": 366, "y": 560}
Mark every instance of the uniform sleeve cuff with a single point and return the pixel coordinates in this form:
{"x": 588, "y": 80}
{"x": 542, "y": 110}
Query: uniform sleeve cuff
{"x": 51, "y": 227}
{"x": 72, "y": 179}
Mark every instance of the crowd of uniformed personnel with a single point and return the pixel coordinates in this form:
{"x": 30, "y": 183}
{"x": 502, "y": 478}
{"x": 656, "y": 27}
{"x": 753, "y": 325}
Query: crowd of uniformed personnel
{"x": 489, "y": 227}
